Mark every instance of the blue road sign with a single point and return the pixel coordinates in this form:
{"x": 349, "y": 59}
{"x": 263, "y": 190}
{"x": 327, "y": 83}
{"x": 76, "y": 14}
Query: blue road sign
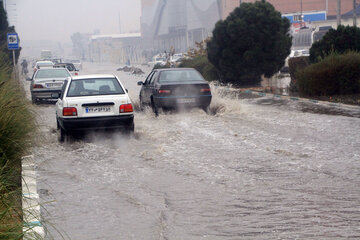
{"x": 13, "y": 41}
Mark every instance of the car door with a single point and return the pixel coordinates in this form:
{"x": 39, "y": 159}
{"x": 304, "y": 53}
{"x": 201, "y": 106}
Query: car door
{"x": 144, "y": 92}
{"x": 150, "y": 90}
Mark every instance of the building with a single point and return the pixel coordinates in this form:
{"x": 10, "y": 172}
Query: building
{"x": 118, "y": 48}
{"x": 296, "y": 6}
{"x": 167, "y": 24}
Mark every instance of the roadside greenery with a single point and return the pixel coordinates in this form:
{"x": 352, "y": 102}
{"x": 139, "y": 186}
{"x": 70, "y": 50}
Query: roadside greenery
{"x": 253, "y": 41}
{"x": 334, "y": 75}
{"x": 197, "y": 58}
{"x": 341, "y": 40}
{"x": 16, "y": 124}
{"x": 296, "y": 64}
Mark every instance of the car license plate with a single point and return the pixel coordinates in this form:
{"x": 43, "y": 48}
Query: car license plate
{"x": 54, "y": 85}
{"x": 186, "y": 100}
{"x": 97, "y": 109}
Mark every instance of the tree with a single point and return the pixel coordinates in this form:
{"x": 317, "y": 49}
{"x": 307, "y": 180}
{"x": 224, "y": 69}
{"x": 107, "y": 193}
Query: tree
{"x": 341, "y": 40}
{"x": 252, "y": 41}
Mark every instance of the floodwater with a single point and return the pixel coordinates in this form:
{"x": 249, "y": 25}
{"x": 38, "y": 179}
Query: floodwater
{"x": 253, "y": 169}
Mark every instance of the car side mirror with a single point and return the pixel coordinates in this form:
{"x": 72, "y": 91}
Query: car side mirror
{"x": 28, "y": 79}
{"x": 140, "y": 83}
{"x": 127, "y": 90}
{"x": 55, "y": 95}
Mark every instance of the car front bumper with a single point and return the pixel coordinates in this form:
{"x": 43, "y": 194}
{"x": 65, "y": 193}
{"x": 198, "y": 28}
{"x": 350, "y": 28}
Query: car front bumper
{"x": 113, "y": 122}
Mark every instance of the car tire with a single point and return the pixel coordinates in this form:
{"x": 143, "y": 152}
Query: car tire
{"x": 154, "y": 107}
{"x": 63, "y": 135}
{"x": 129, "y": 129}
{"x": 33, "y": 99}
{"x": 206, "y": 109}
{"x": 141, "y": 104}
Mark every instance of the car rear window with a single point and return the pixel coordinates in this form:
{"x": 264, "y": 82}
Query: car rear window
{"x": 44, "y": 64}
{"x": 52, "y": 73}
{"x": 180, "y": 76}
{"x": 94, "y": 87}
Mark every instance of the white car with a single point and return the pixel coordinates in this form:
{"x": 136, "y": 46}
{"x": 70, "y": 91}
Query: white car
{"x": 42, "y": 64}
{"x": 92, "y": 102}
{"x": 157, "y": 60}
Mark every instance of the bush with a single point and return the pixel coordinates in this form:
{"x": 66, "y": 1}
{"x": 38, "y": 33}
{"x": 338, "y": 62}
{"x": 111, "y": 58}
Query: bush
{"x": 341, "y": 40}
{"x": 202, "y": 64}
{"x": 334, "y": 75}
{"x": 296, "y": 64}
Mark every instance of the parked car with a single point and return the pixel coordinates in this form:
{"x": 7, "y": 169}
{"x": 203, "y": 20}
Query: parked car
{"x": 173, "y": 88}
{"x": 47, "y": 81}
{"x": 91, "y": 102}
{"x": 69, "y": 66}
{"x": 42, "y": 64}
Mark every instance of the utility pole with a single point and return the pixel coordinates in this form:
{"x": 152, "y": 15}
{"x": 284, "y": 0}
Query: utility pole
{"x": 354, "y": 13}
{"x": 338, "y": 12}
{"x": 327, "y": 8}
{"x": 240, "y": 2}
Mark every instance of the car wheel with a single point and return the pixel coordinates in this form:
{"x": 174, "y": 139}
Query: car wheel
{"x": 130, "y": 129}
{"x": 33, "y": 99}
{"x": 141, "y": 104}
{"x": 63, "y": 135}
{"x": 154, "y": 107}
{"x": 57, "y": 124}
{"x": 206, "y": 108}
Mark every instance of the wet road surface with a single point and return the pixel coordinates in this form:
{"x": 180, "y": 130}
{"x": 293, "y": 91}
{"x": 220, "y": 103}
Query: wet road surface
{"x": 254, "y": 169}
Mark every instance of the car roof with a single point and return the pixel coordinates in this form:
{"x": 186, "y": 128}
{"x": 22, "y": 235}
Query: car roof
{"x": 93, "y": 76}
{"x": 50, "y": 62}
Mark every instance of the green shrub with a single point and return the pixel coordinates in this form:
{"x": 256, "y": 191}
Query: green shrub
{"x": 296, "y": 64}
{"x": 341, "y": 40}
{"x": 202, "y": 64}
{"x": 334, "y": 75}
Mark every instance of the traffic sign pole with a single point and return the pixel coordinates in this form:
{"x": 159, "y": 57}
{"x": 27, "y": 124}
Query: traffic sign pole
{"x": 13, "y": 44}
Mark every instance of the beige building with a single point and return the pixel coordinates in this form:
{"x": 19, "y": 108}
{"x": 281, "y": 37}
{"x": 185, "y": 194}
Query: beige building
{"x": 118, "y": 48}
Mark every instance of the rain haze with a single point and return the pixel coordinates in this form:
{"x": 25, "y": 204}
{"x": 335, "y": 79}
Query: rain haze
{"x": 58, "y": 20}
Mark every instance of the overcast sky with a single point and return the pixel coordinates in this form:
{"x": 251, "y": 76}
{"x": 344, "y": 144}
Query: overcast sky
{"x": 58, "y": 19}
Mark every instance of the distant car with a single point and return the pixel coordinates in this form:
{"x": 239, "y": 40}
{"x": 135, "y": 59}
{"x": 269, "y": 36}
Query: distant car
{"x": 42, "y": 64}
{"x": 177, "y": 57}
{"x": 77, "y": 63}
{"x": 91, "y": 102}
{"x": 69, "y": 66}
{"x": 175, "y": 88}
{"x": 47, "y": 81}
{"x": 157, "y": 60}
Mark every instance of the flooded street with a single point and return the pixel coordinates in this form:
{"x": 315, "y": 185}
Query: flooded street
{"x": 254, "y": 169}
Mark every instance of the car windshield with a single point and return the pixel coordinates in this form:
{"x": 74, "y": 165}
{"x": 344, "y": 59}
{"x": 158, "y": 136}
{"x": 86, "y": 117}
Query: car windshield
{"x": 94, "y": 87}
{"x": 180, "y": 76}
{"x": 52, "y": 73}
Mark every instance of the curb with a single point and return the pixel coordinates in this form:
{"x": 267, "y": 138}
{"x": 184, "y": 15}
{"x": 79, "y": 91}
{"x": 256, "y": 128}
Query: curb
{"x": 262, "y": 94}
{"x": 32, "y": 228}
